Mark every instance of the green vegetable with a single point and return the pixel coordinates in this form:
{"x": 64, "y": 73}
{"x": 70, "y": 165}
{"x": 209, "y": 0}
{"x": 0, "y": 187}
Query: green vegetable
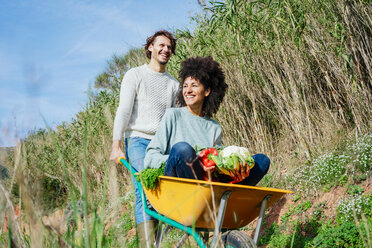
{"x": 149, "y": 177}
{"x": 233, "y": 157}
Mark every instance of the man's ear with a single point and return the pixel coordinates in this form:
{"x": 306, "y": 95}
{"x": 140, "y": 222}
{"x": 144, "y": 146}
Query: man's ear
{"x": 150, "y": 47}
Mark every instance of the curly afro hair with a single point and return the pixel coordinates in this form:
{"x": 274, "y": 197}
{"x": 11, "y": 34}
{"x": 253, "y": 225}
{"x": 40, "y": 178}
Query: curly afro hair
{"x": 211, "y": 75}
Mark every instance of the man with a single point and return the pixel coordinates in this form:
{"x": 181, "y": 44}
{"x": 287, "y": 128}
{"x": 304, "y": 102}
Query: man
{"x": 146, "y": 92}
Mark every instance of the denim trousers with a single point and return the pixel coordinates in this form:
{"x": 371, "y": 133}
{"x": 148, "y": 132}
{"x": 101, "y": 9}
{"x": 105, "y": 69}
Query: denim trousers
{"x": 135, "y": 151}
{"x": 183, "y": 162}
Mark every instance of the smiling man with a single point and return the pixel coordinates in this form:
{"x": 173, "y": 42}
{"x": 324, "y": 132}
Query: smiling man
{"x": 146, "y": 92}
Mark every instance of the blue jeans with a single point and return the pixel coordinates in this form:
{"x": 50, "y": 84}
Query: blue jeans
{"x": 183, "y": 162}
{"x": 135, "y": 151}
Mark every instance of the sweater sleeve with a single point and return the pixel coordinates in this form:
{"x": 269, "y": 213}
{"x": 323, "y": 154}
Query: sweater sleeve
{"x": 175, "y": 91}
{"x": 218, "y": 140}
{"x": 156, "y": 150}
{"x": 126, "y": 102}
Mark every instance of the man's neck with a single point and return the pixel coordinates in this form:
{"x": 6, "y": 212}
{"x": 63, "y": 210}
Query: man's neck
{"x": 155, "y": 66}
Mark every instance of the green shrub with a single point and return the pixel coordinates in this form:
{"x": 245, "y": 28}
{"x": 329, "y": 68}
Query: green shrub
{"x": 334, "y": 168}
{"x": 269, "y": 233}
{"x": 361, "y": 153}
{"x": 344, "y": 235}
{"x": 354, "y": 206}
{"x": 293, "y": 210}
{"x": 327, "y": 169}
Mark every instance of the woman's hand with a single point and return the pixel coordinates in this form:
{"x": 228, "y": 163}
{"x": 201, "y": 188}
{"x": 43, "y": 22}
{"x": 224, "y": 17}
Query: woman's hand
{"x": 208, "y": 169}
{"x": 240, "y": 174}
{"x": 116, "y": 152}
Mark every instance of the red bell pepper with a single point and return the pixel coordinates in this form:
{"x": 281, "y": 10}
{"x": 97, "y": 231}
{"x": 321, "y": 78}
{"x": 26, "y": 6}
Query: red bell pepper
{"x": 206, "y": 158}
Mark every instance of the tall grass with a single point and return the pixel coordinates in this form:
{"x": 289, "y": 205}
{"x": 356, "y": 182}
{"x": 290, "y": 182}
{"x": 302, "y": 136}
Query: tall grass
{"x": 55, "y": 167}
{"x": 298, "y": 71}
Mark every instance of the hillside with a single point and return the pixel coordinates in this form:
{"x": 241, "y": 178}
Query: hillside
{"x": 299, "y": 75}
{"x": 4, "y": 161}
{"x": 4, "y": 153}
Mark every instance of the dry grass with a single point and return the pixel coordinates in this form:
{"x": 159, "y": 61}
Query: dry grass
{"x": 298, "y": 77}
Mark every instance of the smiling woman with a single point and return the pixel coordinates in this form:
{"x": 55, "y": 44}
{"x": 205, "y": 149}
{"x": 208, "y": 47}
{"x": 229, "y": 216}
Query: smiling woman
{"x": 181, "y": 129}
{"x": 203, "y": 89}
{"x": 194, "y": 95}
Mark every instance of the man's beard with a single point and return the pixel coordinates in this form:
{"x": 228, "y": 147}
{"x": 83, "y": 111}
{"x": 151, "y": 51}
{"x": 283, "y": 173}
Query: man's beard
{"x": 163, "y": 62}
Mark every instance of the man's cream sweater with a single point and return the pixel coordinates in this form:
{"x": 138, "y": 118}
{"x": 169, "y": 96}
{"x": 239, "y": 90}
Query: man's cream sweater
{"x": 144, "y": 97}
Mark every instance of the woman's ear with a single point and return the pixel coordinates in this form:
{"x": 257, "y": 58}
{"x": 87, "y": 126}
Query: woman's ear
{"x": 207, "y": 92}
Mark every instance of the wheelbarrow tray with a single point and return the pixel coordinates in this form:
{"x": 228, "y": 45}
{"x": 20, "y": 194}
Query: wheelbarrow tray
{"x": 195, "y": 202}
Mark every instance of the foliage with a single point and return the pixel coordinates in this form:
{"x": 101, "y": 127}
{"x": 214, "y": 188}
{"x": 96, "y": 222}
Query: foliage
{"x": 327, "y": 169}
{"x": 116, "y": 67}
{"x": 332, "y": 168}
{"x": 344, "y": 235}
{"x": 300, "y": 208}
{"x": 150, "y": 176}
{"x": 360, "y": 152}
{"x": 56, "y": 156}
{"x": 354, "y": 206}
{"x": 313, "y": 231}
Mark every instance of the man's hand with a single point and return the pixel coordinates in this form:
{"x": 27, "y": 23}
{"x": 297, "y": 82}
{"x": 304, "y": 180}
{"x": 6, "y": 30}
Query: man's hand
{"x": 116, "y": 152}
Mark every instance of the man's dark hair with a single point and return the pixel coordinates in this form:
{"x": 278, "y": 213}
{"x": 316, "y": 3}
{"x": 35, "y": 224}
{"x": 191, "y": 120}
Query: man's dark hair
{"x": 150, "y": 40}
{"x": 211, "y": 75}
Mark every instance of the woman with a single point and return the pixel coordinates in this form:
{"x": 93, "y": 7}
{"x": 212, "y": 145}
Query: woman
{"x": 203, "y": 89}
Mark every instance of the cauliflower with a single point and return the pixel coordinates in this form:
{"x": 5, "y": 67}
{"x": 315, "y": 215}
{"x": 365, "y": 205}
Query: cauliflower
{"x": 233, "y": 157}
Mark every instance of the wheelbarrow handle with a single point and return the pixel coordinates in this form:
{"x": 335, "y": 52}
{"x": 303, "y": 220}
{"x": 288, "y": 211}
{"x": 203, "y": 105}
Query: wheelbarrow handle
{"x": 158, "y": 216}
{"x": 126, "y": 164}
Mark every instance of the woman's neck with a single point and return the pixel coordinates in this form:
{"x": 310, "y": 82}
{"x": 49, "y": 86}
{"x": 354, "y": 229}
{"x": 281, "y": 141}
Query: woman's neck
{"x": 196, "y": 111}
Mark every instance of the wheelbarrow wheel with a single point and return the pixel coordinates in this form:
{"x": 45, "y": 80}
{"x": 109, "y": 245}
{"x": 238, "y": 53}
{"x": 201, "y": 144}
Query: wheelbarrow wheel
{"x": 237, "y": 239}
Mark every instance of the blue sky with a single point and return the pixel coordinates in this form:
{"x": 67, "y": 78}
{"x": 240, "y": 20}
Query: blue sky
{"x": 51, "y": 51}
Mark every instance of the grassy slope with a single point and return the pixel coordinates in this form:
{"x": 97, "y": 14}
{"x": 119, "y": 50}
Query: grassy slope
{"x": 299, "y": 75}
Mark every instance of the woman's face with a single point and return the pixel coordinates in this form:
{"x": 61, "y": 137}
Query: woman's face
{"x": 194, "y": 94}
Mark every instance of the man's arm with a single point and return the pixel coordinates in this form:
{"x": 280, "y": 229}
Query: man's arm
{"x": 123, "y": 113}
{"x": 116, "y": 151}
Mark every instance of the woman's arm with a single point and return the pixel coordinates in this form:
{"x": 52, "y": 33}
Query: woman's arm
{"x": 157, "y": 150}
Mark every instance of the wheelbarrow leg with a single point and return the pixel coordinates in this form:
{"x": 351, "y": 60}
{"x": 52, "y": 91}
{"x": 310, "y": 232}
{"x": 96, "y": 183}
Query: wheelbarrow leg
{"x": 206, "y": 237}
{"x": 221, "y": 215}
{"x": 160, "y": 233}
{"x": 260, "y": 218}
{"x": 182, "y": 241}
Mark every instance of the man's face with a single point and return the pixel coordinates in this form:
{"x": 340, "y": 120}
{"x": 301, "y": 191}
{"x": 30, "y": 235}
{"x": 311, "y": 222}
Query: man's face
{"x": 161, "y": 50}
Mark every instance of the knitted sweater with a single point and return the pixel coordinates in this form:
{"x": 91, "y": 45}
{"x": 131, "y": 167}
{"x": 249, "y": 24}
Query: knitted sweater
{"x": 144, "y": 97}
{"x": 178, "y": 124}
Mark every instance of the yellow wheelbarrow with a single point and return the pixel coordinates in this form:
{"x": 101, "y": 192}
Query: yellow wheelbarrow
{"x": 196, "y": 206}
